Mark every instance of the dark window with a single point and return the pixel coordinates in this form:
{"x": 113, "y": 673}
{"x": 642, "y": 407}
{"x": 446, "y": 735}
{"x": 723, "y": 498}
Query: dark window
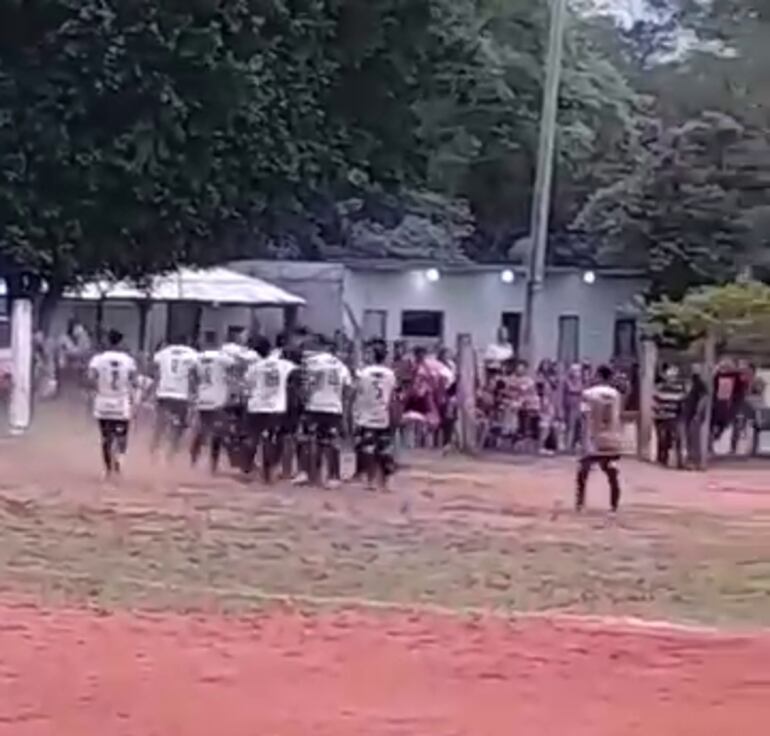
{"x": 625, "y": 338}
{"x": 421, "y": 323}
{"x": 569, "y": 339}
{"x": 511, "y": 323}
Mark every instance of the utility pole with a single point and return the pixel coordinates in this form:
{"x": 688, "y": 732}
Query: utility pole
{"x": 541, "y": 196}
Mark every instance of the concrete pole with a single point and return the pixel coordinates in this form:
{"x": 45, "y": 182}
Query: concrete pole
{"x": 20, "y": 408}
{"x": 541, "y": 196}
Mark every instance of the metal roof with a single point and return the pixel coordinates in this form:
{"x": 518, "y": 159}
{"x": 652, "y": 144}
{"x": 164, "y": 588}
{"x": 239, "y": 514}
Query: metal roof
{"x": 212, "y": 286}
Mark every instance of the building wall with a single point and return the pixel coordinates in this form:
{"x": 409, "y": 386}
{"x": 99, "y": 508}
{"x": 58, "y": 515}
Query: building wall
{"x": 473, "y": 302}
{"x": 319, "y": 284}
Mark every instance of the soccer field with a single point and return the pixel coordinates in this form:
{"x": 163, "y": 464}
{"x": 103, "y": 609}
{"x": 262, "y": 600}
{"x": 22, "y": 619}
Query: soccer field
{"x": 471, "y": 600}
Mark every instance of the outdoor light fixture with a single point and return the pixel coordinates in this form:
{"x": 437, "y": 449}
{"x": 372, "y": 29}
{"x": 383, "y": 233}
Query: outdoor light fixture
{"x": 589, "y": 277}
{"x": 507, "y": 276}
{"x": 432, "y": 275}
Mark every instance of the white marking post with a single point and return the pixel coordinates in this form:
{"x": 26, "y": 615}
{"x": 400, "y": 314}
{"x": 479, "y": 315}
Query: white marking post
{"x": 20, "y": 409}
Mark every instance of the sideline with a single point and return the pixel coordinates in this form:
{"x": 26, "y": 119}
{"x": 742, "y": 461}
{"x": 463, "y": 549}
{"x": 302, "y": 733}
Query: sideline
{"x": 618, "y": 623}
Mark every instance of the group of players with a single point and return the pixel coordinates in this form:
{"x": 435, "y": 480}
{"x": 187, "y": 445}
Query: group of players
{"x": 287, "y": 403}
{"x": 290, "y": 403}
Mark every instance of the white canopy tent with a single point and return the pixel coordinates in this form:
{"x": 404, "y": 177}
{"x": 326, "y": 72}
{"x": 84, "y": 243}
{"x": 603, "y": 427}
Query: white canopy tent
{"x": 211, "y": 286}
{"x": 190, "y": 302}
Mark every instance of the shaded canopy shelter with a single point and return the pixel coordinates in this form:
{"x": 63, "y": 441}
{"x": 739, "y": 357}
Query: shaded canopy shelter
{"x": 209, "y": 286}
{"x": 194, "y": 288}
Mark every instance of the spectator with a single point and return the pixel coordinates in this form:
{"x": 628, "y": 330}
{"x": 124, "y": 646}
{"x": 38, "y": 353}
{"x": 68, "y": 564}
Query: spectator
{"x": 572, "y": 392}
{"x": 526, "y": 400}
{"x": 669, "y": 396}
{"x": 694, "y": 408}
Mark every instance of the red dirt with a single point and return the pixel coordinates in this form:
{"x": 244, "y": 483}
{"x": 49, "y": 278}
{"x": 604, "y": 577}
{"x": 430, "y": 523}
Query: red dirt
{"x": 69, "y": 673}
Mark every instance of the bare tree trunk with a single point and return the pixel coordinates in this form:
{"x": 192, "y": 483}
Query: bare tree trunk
{"x": 47, "y": 307}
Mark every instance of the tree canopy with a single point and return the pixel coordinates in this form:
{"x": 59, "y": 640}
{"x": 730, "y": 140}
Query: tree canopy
{"x": 735, "y": 310}
{"x": 696, "y": 207}
{"x": 136, "y": 136}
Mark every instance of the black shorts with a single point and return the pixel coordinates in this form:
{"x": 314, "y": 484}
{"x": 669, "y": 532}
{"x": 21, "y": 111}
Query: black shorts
{"x": 322, "y": 426}
{"x": 291, "y": 423}
{"x": 265, "y": 425}
{"x": 175, "y": 411}
{"x": 608, "y": 461}
{"x": 212, "y": 421}
{"x": 114, "y": 430}
{"x": 376, "y": 441}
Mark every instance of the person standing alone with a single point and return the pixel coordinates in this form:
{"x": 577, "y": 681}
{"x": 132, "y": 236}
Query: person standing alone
{"x": 112, "y": 375}
{"x": 602, "y": 436}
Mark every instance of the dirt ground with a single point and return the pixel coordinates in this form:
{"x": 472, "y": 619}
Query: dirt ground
{"x": 142, "y": 607}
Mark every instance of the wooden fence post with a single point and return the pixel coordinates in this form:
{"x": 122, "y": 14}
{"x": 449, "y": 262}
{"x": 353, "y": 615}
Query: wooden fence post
{"x": 646, "y": 399}
{"x": 466, "y": 393}
{"x": 709, "y": 369}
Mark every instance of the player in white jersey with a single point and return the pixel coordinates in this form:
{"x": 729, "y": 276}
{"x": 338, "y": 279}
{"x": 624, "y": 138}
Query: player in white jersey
{"x": 212, "y": 379}
{"x": 112, "y": 375}
{"x": 375, "y": 392}
{"x": 173, "y": 366}
{"x": 269, "y": 385}
{"x": 235, "y": 412}
{"x": 326, "y": 380}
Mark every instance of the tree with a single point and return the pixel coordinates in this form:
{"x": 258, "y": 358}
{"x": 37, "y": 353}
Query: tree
{"x": 697, "y": 207}
{"x": 685, "y": 214}
{"x": 138, "y": 136}
{"x": 483, "y": 141}
{"x": 725, "y": 312}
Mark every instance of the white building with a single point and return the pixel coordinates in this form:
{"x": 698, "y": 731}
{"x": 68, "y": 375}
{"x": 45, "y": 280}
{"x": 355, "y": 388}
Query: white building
{"x": 396, "y": 299}
{"x": 583, "y": 317}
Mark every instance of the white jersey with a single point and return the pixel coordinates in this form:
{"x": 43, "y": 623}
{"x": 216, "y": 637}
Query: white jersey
{"x": 376, "y": 384}
{"x": 327, "y": 377}
{"x": 267, "y": 383}
{"x": 213, "y": 373}
{"x": 113, "y": 372}
{"x": 602, "y": 406}
{"x": 173, "y": 365}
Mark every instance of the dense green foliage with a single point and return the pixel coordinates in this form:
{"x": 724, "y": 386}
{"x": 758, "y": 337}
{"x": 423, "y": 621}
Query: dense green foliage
{"x": 728, "y": 311}
{"x": 696, "y": 208}
{"x": 138, "y": 134}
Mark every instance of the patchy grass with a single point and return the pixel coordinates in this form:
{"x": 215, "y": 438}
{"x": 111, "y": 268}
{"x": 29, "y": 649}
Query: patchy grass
{"x": 465, "y": 541}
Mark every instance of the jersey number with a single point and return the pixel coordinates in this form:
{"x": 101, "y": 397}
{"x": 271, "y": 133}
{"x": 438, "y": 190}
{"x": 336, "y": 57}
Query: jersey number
{"x": 272, "y": 379}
